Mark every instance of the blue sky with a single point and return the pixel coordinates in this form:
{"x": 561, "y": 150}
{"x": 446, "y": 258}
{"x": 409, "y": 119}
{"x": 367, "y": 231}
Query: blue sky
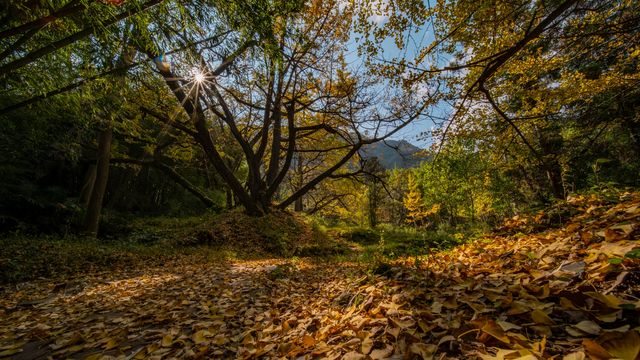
{"x": 414, "y": 132}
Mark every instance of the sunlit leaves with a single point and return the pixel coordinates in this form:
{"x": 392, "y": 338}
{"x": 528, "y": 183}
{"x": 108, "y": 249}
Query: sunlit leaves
{"x": 490, "y": 299}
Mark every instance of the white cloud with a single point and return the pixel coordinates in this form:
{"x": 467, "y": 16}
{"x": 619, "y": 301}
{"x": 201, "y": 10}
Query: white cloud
{"x": 380, "y": 11}
{"x": 378, "y": 18}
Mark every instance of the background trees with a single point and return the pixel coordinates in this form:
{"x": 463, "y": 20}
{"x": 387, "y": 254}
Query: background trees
{"x": 528, "y": 83}
{"x": 258, "y": 104}
{"x": 220, "y": 98}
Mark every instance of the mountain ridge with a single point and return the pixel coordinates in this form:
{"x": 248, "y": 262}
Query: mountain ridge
{"x": 394, "y": 154}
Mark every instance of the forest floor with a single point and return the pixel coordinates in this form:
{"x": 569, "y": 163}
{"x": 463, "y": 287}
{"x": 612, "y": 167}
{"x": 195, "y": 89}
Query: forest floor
{"x": 566, "y": 292}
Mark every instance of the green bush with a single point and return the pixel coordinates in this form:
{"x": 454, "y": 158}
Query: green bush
{"x": 361, "y": 236}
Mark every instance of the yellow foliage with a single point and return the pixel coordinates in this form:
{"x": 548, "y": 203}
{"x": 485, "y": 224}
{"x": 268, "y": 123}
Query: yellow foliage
{"x": 416, "y": 211}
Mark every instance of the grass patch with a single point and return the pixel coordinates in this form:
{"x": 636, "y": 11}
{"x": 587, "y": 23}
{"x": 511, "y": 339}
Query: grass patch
{"x": 25, "y": 258}
{"x": 388, "y": 242}
{"x": 156, "y": 241}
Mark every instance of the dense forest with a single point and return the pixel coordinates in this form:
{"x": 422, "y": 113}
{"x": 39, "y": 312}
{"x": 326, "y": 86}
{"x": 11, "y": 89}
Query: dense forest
{"x": 341, "y": 179}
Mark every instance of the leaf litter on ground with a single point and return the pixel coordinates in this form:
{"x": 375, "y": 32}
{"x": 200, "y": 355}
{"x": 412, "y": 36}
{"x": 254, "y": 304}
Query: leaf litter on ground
{"x": 571, "y": 292}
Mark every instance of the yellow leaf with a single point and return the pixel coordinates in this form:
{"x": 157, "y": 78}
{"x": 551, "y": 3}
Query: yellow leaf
{"x": 403, "y": 324}
{"x": 517, "y": 308}
{"x": 265, "y": 349}
{"x": 594, "y": 350}
{"x": 450, "y": 303}
{"x": 612, "y": 235}
{"x": 394, "y": 332}
{"x": 248, "y": 340}
{"x": 167, "y": 340}
{"x": 609, "y": 300}
{"x": 367, "y": 345}
{"x": 426, "y": 351}
{"x": 492, "y": 328}
{"x": 219, "y": 340}
{"x": 353, "y": 355}
{"x": 506, "y": 326}
{"x": 111, "y": 343}
{"x": 625, "y": 347}
{"x": 540, "y": 317}
{"x": 199, "y": 337}
{"x": 526, "y": 357}
{"x": 308, "y": 341}
{"x": 588, "y": 327}
{"x": 578, "y": 355}
{"x": 567, "y": 304}
{"x": 10, "y": 352}
{"x": 381, "y": 353}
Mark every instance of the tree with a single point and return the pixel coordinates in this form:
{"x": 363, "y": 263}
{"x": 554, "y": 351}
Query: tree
{"x": 374, "y": 179}
{"x": 274, "y": 88}
{"x": 520, "y": 79}
{"x": 92, "y": 41}
{"x": 416, "y": 212}
{"x": 392, "y": 208}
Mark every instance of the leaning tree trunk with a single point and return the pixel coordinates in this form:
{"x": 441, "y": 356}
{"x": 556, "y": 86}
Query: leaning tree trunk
{"x": 92, "y": 218}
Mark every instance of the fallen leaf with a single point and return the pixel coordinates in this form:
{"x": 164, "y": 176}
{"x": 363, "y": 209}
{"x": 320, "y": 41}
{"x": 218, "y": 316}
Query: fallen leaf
{"x": 353, "y": 355}
{"x": 426, "y": 351}
{"x": 308, "y": 341}
{"x": 578, "y": 355}
{"x": 380, "y": 354}
{"x": 367, "y": 345}
{"x": 625, "y": 347}
{"x": 588, "y": 327}
{"x": 167, "y": 340}
{"x": 541, "y": 317}
{"x": 199, "y": 338}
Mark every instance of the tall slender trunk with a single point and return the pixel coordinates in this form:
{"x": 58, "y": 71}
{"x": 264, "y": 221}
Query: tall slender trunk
{"x": 373, "y": 205}
{"x": 229, "y": 196}
{"x": 92, "y": 218}
{"x": 298, "y": 205}
{"x": 551, "y": 143}
{"x": 554, "y": 175}
{"x": 87, "y": 188}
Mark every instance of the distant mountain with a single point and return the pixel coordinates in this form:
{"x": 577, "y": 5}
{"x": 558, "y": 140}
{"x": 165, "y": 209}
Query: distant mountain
{"x": 394, "y": 154}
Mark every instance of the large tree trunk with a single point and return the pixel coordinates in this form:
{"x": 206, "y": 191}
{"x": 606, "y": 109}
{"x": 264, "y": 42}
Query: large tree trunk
{"x": 92, "y": 218}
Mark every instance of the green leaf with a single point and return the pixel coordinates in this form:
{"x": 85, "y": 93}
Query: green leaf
{"x": 633, "y": 254}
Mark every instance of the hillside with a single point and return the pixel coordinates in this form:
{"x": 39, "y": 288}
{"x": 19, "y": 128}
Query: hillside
{"x": 394, "y": 154}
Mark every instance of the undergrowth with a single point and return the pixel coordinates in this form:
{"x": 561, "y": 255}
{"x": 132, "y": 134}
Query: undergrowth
{"x": 127, "y": 243}
{"x": 25, "y": 258}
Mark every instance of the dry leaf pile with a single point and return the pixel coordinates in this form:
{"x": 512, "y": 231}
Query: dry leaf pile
{"x": 568, "y": 293}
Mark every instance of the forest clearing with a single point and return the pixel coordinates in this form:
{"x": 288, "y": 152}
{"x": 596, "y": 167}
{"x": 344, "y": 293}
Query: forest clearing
{"x": 568, "y": 290}
{"x": 320, "y": 179}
